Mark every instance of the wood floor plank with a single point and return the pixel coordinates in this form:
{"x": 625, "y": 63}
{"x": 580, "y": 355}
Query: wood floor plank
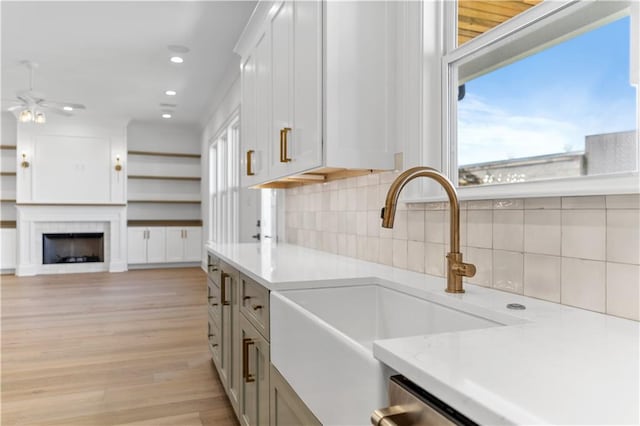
{"x": 109, "y": 349}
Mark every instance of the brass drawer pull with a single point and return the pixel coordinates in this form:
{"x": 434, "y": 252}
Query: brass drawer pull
{"x": 246, "y": 298}
{"x": 248, "y": 378}
{"x": 249, "y": 168}
{"x": 283, "y": 145}
{"x": 223, "y": 288}
{"x": 256, "y": 307}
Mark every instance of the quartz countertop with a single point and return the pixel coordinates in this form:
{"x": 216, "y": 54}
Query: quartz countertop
{"x": 550, "y": 363}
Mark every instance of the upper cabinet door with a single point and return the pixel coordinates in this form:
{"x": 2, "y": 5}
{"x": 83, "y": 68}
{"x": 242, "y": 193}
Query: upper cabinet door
{"x": 305, "y": 140}
{"x": 248, "y": 173}
{"x": 281, "y": 77}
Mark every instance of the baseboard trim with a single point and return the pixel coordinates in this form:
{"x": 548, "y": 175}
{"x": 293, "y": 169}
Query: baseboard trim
{"x": 164, "y": 265}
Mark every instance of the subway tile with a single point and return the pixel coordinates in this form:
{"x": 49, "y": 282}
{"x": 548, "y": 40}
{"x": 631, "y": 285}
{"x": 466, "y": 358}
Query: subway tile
{"x": 623, "y": 236}
{"x": 415, "y": 225}
{"x": 361, "y": 197}
{"x": 434, "y": 263}
{"x": 373, "y": 224}
{"x": 542, "y": 203}
{"x": 508, "y": 230}
{"x": 463, "y": 229}
{"x": 373, "y": 178}
{"x": 334, "y": 201}
{"x": 542, "y": 231}
{"x": 435, "y": 206}
{"x": 623, "y": 290}
{"x": 509, "y": 204}
{"x": 584, "y": 234}
{"x": 361, "y": 251}
{"x": 352, "y": 199}
{"x": 508, "y": 271}
{"x": 342, "y": 221}
{"x": 330, "y": 242}
{"x": 373, "y": 198}
{"x": 434, "y": 226}
{"x": 583, "y": 284}
{"x": 483, "y": 260}
{"x": 416, "y": 256}
{"x": 580, "y": 203}
{"x": 352, "y": 245}
{"x": 351, "y": 222}
{"x": 372, "y": 250}
{"x": 342, "y": 244}
{"x": 479, "y": 228}
{"x": 542, "y": 276}
{"x": 627, "y": 201}
{"x": 388, "y": 177}
{"x": 479, "y": 205}
{"x": 361, "y": 223}
{"x": 399, "y": 225}
{"x": 385, "y": 253}
{"x": 400, "y": 253}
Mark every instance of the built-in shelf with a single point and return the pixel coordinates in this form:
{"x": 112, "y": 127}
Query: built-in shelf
{"x": 8, "y": 147}
{"x": 164, "y": 154}
{"x": 6, "y": 200}
{"x": 164, "y": 223}
{"x": 189, "y": 178}
{"x": 73, "y": 204}
{"x": 8, "y": 173}
{"x": 165, "y": 201}
{"x": 7, "y": 224}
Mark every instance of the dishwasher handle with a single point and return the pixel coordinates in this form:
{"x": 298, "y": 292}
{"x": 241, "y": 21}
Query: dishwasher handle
{"x": 386, "y": 416}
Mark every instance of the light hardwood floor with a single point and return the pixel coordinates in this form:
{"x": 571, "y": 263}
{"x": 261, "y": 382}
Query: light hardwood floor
{"x": 109, "y": 349}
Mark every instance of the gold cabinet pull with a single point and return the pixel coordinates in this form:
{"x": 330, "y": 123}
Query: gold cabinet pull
{"x": 256, "y": 307}
{"x": 223, "y": 288}
{"x": 249, "y": 168}
{"x": 283, "y": 145}
{"x": 248, "y": 377}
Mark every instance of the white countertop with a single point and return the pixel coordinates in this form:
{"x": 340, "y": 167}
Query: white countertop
{"x": 552, "y": 364}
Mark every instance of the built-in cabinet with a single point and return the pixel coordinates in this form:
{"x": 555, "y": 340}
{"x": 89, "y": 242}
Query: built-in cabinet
{"x": 183, "y": 244}
{"x": 313, "y": 100}
{"x": 159, "y": 244}
{"x": 8, "y": 248}
{"x": 238, "y": 332}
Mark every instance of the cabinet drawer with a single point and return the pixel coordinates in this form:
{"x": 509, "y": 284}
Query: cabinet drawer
{"x": 213, "y": 332}
{"x": 254, "y": 304}
{"x": 213, "y": 293}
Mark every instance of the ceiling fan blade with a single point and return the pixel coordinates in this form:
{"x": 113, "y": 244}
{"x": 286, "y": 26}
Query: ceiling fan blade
{"x": 59, "y": 112}
{"x": 54, "y": 104}
{"x": 15, "y": 108}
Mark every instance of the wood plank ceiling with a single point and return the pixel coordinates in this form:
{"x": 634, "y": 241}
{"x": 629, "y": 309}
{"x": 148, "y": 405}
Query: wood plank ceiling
{"x": 478, "y": 16}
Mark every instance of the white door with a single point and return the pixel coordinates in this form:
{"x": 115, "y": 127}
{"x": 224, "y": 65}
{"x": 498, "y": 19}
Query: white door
{"x": 174, "y": 244}
{"x": 305, "y": 139}
{"x": 137, "y": 245}
{"x": 193, "y": 246}
{"x": 156, "y": 245}
{"x": 281, "y": 105}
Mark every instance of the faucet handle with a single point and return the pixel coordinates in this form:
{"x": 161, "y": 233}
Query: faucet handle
{"x": 464, "y": 269}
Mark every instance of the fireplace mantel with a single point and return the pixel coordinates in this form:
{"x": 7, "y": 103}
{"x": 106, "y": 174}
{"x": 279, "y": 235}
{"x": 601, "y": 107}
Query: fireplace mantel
{"x": 35, "y": 219}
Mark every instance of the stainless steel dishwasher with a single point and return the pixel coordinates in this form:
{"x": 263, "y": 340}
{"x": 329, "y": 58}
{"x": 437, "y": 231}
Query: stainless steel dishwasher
{"x": 411, "y": 405}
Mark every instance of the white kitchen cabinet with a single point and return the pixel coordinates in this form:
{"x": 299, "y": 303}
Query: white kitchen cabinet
{"x": 331, "y": 91}
{"x": 146, "y": 244}
{"x": 184, "y": 244}
{"x": 8, "y": 248}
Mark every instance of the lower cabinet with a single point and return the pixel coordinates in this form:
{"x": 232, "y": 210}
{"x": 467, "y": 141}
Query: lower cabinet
{"x": 238, "y": 332}
{"x": 286, "y": 407}
{"x": 8, "y": 249}
{"x": 159, "y": 244}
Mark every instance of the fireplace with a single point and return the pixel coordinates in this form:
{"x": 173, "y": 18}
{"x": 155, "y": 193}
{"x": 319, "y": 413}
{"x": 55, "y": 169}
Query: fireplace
{"x": 73, "y": 248}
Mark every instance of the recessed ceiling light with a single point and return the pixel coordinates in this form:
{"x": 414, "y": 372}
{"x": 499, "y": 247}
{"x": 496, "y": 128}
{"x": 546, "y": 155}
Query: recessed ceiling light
{"x": 67, "y": 108}
{"x": 178, "y": 48}
{"x": 166, "y": 115}
{"x": 176, "y": 59}
{"x": 170, "y": 92}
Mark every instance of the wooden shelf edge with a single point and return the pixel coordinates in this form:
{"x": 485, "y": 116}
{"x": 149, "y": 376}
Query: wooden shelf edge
{"x": 74, "y": 204}
{"x": 164, "y": 154}
{"x": 187, "y": 178}
{"x": 164, "y": 223}
{"x": 7, "y": 200}
{"x": 8, "y": 147}
{"x": 7, "y": 224}
{"x": 165, "y": 201}
{"x": 8, "y": 174}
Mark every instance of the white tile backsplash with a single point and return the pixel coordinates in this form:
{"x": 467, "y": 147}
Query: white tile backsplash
{"x": 580, "y": 251}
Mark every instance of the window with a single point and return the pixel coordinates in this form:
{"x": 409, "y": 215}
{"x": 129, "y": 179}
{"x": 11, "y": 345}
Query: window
{"x": 550, "y": 95}
{"x": 224, "y": 184}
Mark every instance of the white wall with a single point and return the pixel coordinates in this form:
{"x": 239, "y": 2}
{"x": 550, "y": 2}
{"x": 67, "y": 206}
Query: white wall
{"x": 72, "y": 161}
{"x": 163, "y": 137}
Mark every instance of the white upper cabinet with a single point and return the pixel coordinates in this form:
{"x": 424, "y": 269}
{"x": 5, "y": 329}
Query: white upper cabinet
{"x": 325, "y": 98}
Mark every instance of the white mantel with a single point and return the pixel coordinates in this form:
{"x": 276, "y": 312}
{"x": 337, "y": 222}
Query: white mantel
{"x": 35, "y": 219}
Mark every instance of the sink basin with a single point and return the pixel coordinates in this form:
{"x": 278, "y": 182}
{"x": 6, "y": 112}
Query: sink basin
{"x": 322, "y": 343}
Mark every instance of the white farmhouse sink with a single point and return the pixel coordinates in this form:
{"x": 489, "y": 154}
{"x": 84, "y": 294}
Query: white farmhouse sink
{"x": 322, "y": 343}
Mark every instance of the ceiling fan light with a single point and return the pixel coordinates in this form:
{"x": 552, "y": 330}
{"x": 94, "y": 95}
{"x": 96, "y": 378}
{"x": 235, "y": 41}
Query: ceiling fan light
{"x": 67, "y": 108}
{"x": 25, "y": 116}
{"x": 40, "y": 118}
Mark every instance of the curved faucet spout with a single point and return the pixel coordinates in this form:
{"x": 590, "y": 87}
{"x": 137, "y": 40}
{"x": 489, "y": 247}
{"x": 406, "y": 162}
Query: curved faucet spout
{"x": 456, "y": 269}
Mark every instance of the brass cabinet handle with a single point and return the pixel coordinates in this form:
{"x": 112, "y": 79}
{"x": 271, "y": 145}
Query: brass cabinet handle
{"x": 248, "y": 377}
{"x": 249, "y": 168}
{"x": 223, "y": 288}
{"x": 283, "y": 145}
{"x": 256, "y": 307}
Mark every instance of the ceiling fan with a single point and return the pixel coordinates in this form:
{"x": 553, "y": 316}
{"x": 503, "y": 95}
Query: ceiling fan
{"x": 31, "y": 105}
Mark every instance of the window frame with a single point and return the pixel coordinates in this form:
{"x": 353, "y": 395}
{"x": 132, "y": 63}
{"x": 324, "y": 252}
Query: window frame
{"x": 505, "y": 34}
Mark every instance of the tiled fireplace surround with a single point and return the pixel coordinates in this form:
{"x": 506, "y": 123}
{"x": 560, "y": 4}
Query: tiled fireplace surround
{"x": 578, "y": 251}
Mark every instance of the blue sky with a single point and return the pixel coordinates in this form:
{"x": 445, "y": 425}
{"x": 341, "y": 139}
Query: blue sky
{"x": 547, "y": 103}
